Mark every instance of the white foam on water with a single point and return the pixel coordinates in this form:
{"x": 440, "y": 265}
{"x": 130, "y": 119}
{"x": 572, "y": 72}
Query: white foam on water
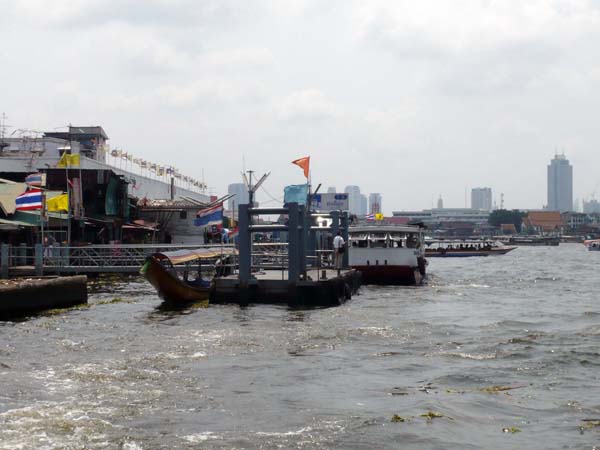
{"x": 285, "y": 433}
{"x": 200, "y": 437}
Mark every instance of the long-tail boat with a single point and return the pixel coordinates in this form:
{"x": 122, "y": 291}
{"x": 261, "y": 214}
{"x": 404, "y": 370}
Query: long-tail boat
{"x": 171, "y": 272}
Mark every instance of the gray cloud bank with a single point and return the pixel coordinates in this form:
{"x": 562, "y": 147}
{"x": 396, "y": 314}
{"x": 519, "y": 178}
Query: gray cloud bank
{"x": 410, "y": 99}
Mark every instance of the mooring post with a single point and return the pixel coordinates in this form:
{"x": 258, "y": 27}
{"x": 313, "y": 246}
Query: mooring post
{"x": 244, "y": 250}
{"x": 4, "y": 252}
{"x": 302, "y": 239}
{"x": 293, "y": 243}
{"x": 39, "y": 259}
{"x": 344, "y": 226}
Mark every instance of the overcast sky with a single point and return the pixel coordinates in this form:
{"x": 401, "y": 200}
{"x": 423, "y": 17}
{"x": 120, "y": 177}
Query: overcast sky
{"x": 408, "y": 98}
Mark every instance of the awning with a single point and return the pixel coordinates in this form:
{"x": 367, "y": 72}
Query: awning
{"x": 13, "y": 225}
{"x": 183, "y": 256}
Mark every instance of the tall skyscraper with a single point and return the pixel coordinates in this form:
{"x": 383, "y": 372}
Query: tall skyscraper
{"x": 241, "y": 195}
{"x": 331, "y": 190}
{"x": 363, "y": 205}
{"x": 440, "y": 202}
{"x": 375, "y": 203}
{"x": 560, "y": 184}
{"x": 481, "y": 198}
{"x": 354, "y": 200}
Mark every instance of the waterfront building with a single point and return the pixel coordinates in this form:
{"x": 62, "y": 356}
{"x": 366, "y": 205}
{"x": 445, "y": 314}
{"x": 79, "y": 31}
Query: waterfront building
{"x": 354, "y": 199}
{"x": 560, "y": 184}
{"x": 31, "y": 153}
{"x": 545, "y": 223}
{"x": 481, "y": 198}
{"x": 449, "y": 221}
{"x": 375, "y": 203}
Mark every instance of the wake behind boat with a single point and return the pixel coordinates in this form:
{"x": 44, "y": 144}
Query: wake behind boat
{"x": 466, "y": 248}
{"x": 181, "y": 276}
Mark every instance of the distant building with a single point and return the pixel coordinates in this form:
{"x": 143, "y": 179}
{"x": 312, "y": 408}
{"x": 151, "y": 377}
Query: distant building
{"x": 331, "y": 190}
{"x": 354, "y": 199}
{"x": 375, "y": 203}
{"x": 240, "y": 193}
{"x": 560, "y": 184}
{"x": 593, "y": 206}
{"x": 440, "y": 202}
{"x": 543, "y": 223}
{"x": 481, "y": 198}
{"x": 363, "y": 205}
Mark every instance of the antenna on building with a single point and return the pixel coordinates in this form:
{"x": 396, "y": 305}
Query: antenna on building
{"x": 502, "y": 200}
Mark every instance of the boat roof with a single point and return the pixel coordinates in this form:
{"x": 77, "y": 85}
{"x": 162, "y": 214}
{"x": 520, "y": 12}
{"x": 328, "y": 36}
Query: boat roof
{"x": 187, "y": 255}
{"x": 385, "y": 229}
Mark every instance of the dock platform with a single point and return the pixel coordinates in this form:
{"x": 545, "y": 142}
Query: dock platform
{"x": 273, "y": 287}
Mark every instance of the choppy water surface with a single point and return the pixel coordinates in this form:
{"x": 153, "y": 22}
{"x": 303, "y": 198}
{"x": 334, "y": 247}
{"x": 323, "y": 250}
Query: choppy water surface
{"x": 130, "y": 375}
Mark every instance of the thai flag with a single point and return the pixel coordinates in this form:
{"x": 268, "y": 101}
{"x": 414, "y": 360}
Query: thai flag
{"x": 36, "y": 179}
{"x": 370, "y": 217}
{"x": 210, "y": 216}
{"x": 29, "y": 201}
{"x": 233, "y": 233}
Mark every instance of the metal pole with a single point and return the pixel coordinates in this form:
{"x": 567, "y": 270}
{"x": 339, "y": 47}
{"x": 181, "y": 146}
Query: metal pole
{"x": 293, "y": 243}
{"x": 4, "y": 252}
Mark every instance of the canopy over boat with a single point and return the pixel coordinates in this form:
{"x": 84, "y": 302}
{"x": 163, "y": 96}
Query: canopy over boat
{"x": 186, "y": 255}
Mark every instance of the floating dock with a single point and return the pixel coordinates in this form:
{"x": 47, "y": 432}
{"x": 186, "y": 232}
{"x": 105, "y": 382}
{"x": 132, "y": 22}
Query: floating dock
{"x": 22, "y": 296}
{"x": 301, "y": 279}
{"x": 269, "y": 287}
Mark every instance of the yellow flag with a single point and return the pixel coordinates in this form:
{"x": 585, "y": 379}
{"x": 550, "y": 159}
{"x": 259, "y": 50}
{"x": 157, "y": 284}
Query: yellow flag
{"x": 67, "y": 160}
{"x": 378, "y": 216}
{"x": 58, "y": 203}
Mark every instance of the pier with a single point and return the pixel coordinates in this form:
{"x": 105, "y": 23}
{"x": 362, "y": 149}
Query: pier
{"x": 295, "y": 273}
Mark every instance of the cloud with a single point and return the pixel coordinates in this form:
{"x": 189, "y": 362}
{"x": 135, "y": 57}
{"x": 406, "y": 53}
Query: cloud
{"x": 160, "y": 13}
{"x": 467, "y": 47}
{"x": 307, "y": 105}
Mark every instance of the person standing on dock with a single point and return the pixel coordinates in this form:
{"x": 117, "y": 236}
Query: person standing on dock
{"x": 338, "y": 250}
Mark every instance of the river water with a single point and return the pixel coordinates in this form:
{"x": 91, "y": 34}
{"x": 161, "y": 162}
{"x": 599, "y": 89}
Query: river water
{"x": 499, "y": 352}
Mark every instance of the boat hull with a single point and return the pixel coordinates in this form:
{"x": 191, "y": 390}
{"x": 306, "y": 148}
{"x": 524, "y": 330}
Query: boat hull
{"x": 170, "y": 288}
{"x": 448, "y": 253}
{"x": 394, "y": 275}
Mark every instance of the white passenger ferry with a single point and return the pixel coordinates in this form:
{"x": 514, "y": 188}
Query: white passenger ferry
{"x": 388, "y": 254}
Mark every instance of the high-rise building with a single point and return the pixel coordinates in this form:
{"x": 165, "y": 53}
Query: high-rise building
{"x": 560, "y": 184}
{"x": 375, "y": 203}
{"x": 363, "y": 205}
{"x": 241, "y": 195}
{"x": 331, "y": 190}
{"x": 481, "y": 198}
{"x": 354, "y": 200}
{"x": 440, "y": 202}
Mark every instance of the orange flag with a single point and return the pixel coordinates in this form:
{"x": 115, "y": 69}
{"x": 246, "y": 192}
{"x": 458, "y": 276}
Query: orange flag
{"x": 304, "y": 163}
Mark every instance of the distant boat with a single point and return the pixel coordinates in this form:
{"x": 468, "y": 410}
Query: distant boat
{"x": 388, "y": 254}
{"x": 593, "y": 245}
{"x": 172, "y": 286}
{"x": 466, "y": 248}
{"x": 534, "y": 240}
